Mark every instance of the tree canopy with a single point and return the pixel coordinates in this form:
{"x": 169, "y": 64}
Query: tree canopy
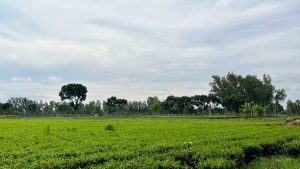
{"x": 75, "y": 93}
{"x": 235, "y": 90}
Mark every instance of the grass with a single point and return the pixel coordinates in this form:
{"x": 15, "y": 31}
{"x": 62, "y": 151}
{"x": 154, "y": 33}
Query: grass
{"x": 280, "y": 162}
{"x": 162, "y": 142}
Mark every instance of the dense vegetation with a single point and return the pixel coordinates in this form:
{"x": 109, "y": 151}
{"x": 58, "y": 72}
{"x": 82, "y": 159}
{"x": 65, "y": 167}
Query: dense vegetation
{"x": 293, "y": 108}
{"x": 281, "y": 162}
{"x": 158, "y": 142}
{"x": 232, "y": 95}
{"x": 212, "y": 135}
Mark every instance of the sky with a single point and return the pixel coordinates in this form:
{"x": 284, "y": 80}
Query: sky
{"x": 133, "y": 49}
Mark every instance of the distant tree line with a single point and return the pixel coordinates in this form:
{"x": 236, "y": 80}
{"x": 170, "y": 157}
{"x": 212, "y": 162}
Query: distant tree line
{"x": 25, "y": 107}
{"x": 233, "y": 94}
{"x": 293, "y": 108}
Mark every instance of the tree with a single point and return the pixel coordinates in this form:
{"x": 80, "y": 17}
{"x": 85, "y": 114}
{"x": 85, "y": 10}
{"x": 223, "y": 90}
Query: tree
{"x": 115, "y": 105}
{"x": 155, "y": 107}
{"x": 137, "y": 107}
{"x": 75, "y": 93}
{"x": 229, "y": 90}
{"x": 5, "y": 107}
{"x": 204, "y": 104}
{"x": 200, "y": 103}
{"x": 177, "y": 105}
{"x": 279, "y": 96}
{"x": 23, "y": 106}
{"x": 97, "y": 107}
{"x": 293, "y": 108}
{"x": 152, "y": 100}
{"x": 246, "y": 110}
{"x": 64, "y": 109}
{"x": 258, "y": 110}
{"x": 235, "y": 90}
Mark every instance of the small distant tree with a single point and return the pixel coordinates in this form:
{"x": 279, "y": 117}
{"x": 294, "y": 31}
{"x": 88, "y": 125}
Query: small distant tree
{"x": 258, "y": 110}
{"x": 97, "y": 108}
{"x": 5, "y": 107}
{"x": 246, "y": 110}
{"x": 152, "y": 100}
{"x": 113, "y": 105}
{"x": 293, "y": 108}
{"x": 279, "y": 96}
{"x": 65, "y": 109}
{"x": 75, "y": 93}
{"x": 267, "y": 110}
{"x": 155, "y": 107}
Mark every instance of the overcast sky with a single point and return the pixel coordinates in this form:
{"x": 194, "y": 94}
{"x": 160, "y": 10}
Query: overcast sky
{"x": 137, "y": 48}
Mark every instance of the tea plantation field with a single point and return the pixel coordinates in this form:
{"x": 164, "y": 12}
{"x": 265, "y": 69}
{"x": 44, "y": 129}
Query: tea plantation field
{"x": 160, "y": 142}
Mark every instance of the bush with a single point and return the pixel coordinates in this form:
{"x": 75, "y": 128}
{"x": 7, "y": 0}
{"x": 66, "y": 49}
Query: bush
{"x": 109, "y": 128}
{"x": 246, "y": 110}
{"x": 47, "y": 130}
{"x": 259, "y": 110}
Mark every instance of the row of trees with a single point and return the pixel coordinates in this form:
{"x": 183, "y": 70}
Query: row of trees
{"x": 25, "y": 107}
{"x": 293, "y": 108}
{"x": 199, "y": 104}
{"x": 229, "y": 95}
{"x": 195, "y": 105}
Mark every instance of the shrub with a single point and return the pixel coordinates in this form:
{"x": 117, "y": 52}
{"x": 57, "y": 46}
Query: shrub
{"x": 259, "y": 110}
{"x": 246, "y": 110}
{"x": 109, "y": 128}
{"x": 47, "y": 130}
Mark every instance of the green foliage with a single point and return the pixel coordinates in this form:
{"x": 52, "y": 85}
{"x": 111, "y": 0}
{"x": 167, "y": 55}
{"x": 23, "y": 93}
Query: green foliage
{"x": 109, "y": 128}
{"x": 76, "y": 93}
{"x": 152, "y": 100}
{"x": 293, "y": 108}
{"x": 161, "y": 142}
{"x": 280, "y": 162}
{"x": 258, "y": 110}
{"x": 113, "y": 105}
{"x": 155, "y": 107}
{"x": 97, "y": 109}
{"x": 267, "y": 110}
{"x": 47, "y": 130}
{"x": 246, "y": 110}
{"x": 235, "y": 90}
{"x": 217, "y": 163}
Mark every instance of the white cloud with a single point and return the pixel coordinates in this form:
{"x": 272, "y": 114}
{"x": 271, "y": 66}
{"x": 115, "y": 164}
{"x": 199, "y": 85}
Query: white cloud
{"x": 54, "y": 78}
{"x": 138, "y": 48}
{"x": 26, "y": 79}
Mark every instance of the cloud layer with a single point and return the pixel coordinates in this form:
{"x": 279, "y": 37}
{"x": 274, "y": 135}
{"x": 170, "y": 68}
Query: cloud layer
{"x": 135, "y": 49}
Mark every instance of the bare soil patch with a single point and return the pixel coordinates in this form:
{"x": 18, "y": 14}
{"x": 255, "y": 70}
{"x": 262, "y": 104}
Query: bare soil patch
{"x": 294, "y": 123}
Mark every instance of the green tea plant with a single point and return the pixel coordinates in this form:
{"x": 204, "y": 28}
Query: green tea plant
{"x": 161, "y": 142}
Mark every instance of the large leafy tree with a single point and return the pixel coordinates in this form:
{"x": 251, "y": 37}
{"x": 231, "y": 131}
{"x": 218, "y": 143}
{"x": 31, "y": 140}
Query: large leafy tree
{"x": 230, "y": 90}
{"x": 75, "y": 93}
{"x": 235, "y": 90}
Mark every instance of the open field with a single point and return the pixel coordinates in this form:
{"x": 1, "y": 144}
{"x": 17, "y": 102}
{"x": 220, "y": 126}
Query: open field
{"x": 162, "y": 142}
